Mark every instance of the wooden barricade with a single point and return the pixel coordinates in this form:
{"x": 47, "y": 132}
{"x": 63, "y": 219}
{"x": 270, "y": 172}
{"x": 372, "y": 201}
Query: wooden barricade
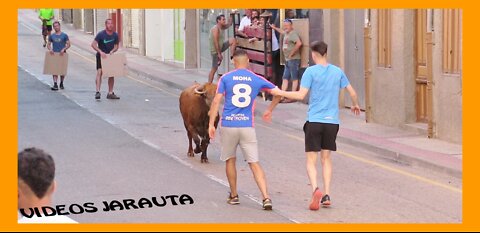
{"x": 259, "y": 51}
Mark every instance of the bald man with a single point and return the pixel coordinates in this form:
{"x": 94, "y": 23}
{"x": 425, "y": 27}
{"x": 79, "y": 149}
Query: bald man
{"x": 240, "y": 87}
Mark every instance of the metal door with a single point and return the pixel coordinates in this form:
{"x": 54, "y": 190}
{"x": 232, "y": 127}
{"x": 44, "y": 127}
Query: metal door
{"x": 355, "y": 54}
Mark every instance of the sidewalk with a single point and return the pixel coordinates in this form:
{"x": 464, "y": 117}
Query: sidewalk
{"x": 404, "y": 146}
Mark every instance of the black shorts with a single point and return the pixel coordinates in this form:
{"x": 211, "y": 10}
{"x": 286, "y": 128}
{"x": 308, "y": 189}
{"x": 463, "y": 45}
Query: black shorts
{"x": 46, "y": 29}
{"x": 99, "y": 62}
{"x": 320, "y": 136}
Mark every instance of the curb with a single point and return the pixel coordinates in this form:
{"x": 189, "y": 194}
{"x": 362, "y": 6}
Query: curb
{"x": 401, "y": 158}
{"x": 152, "y": 77}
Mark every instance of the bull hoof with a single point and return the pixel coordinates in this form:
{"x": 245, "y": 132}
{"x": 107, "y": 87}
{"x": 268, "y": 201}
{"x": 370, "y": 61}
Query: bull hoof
{"x": 204, "y": 160}
{"x": 190, "y": 154}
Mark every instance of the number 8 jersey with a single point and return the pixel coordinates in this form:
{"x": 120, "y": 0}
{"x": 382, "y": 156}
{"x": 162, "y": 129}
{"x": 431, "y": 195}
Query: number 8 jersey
{"x": 240, "y": 87}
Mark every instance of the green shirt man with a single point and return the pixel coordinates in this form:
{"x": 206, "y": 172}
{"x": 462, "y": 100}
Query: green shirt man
{"x": 46, "y": 14}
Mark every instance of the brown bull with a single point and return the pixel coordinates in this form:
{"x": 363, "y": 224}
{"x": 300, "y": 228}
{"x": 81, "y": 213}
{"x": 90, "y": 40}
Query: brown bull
{"x": 195, "y": 103}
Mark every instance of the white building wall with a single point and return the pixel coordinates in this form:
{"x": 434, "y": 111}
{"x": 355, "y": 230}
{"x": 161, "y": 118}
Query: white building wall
{"x": 152, "y": 36}
{"x": 167, "y": 34}
{"x": 135, "y": 28}
{"x": 100, "y": 16}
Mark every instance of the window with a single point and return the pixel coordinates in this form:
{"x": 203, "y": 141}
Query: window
{"x": 451, "y": 41}
{"x": 385, "y": 38}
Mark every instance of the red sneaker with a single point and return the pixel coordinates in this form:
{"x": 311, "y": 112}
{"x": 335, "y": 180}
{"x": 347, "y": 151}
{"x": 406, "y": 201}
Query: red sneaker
{"x": 315, "y": 204}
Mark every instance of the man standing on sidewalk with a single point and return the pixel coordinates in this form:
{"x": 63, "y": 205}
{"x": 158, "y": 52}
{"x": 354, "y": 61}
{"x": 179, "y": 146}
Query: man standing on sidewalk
{"x": 240, "y": 87}
{"x": 217, "y": 44}
{"x": 46, "y": 15}
{"x": 291, "y": 45}
{"x": 58, "y": 42}
{"x": 106, "y": 42}
{"x": 323, "y": 81}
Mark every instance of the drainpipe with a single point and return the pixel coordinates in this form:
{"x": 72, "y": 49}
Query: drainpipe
{"x": 368, "y": 73}
{"x": 430, "y": 84}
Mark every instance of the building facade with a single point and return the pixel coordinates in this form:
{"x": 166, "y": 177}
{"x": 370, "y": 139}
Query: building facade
{"x": 404, "y": 63}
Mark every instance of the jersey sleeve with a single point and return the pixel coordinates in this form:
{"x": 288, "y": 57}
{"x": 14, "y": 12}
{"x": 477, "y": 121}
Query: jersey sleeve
{"x": 221, "y": 86}
{"x": 66, "y": 37}
{"x": 344, "y": 80}
{"x": 266, "y": 85}
{"x": 307, "y": 79}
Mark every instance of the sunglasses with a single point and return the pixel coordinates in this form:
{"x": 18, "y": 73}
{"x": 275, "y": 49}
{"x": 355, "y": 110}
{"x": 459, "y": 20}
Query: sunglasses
{"x": 287, "y": 20}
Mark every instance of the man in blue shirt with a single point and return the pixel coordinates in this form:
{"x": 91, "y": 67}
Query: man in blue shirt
{"x": 240, "y": 87}
{"x": 106, "y": 42}
{"x": 58, "y": 42}
{"x": 323, "y": 81}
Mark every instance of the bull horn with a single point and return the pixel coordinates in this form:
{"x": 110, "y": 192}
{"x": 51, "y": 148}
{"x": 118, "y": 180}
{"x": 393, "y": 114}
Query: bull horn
{"x": 202, "y": 87}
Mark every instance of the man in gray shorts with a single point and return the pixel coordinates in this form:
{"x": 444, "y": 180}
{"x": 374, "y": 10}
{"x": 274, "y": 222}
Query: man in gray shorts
{"x": 218, "y": 45}
{"x": 240, "y": 87}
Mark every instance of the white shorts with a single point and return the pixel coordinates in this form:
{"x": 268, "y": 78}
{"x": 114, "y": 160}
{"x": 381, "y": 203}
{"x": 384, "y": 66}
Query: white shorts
{"x": 245, "y": 137}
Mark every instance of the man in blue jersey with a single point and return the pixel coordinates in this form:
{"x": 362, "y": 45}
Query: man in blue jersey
{"x": 240, "y": 87}
{"x": 323, "y": 81}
